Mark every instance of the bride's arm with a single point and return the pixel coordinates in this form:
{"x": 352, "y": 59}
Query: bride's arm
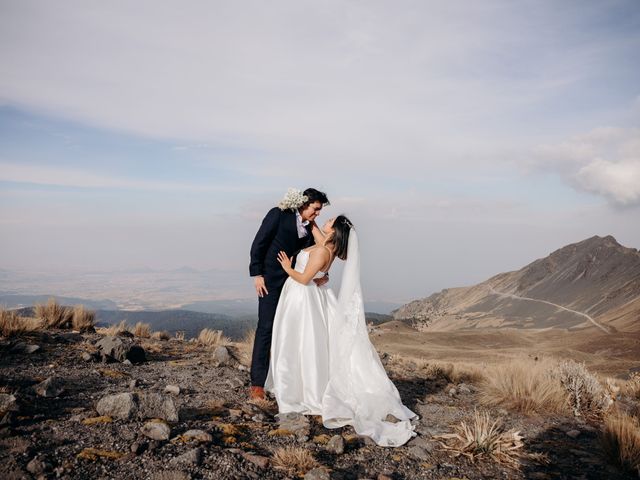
{"x": 317, "y": 258}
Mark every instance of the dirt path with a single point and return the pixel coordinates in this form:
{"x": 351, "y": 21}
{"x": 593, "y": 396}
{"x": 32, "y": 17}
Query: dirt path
{"x": 510, "y": 295}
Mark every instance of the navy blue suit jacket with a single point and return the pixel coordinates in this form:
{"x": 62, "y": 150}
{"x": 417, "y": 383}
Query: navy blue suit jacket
{"x": 278, "y": 231}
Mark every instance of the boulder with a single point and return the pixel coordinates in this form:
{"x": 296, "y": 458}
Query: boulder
{"x": 335, "y": 445}
{"x": 221, "y": 356}
{"x": 122, "y": 406}
{"x": 120, "y": 349}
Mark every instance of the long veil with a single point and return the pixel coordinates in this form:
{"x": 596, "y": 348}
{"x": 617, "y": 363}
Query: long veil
{"x": 359, "y": 392}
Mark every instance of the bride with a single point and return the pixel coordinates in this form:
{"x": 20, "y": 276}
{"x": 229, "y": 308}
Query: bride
{"x": 322, "y": 361}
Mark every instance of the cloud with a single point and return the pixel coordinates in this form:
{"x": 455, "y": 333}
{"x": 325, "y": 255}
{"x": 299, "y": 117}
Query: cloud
{"x": 604, "y": 161}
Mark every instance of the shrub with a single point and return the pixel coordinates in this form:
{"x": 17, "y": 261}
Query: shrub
{"x": 162, "y": 335}
{"x": 293, "y": 461}
{"x": 586, "y": 394}
{"x": 484, "y": 437}
{"x": 213, "y": 338}
{"x": 525, "y": 386}
{"x": 620, "y": 441}
{"x": 243, "y": 349}
{"x": 11, "y": 324}
{"x": 54, "y": 315}
{"x": 142, "y": 330}
{"x": 114, "y": 329}
{"x": 83, "y": 320}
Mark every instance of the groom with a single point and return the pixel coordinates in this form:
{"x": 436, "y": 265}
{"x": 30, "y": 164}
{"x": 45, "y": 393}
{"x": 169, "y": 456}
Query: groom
{"x": 290, "y": 230}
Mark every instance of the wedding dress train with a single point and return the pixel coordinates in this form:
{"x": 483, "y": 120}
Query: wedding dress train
{"x": 323, "y": 363}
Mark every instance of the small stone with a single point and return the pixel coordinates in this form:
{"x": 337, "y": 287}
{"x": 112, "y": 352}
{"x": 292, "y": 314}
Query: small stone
{"x": 51, "y": 387}
{"x": 37, "y": 466}
{"x": 31, "y": 348}
{"x": 259, "y": 418}
{"x": 121, "y": 406}
{"x": 198, "y": 435}
{"x": 133, "y": 384}
{"x": 462, "y": 388}
{"x": 294, "y": 422}
{"x": 235, "y": 413}
{"x": 419, "y": 453}
{"x": 172, "y": 389}
{"x": 156, "y": 430}
{"x": 319, "y": 473}
{"x": 221, "y": 356}
{"x": 335, "y": 445}
{"x": 452, "y": 392}
{"x": 87, "y": 357}
{"x": 573, "y": 433}
{"x": 8, "y": 402}
{"x": 127, "y": 362}
{"x": 385, "y": 476}
{"x": 192, "y": 457}
{"x": 259, "y": 460}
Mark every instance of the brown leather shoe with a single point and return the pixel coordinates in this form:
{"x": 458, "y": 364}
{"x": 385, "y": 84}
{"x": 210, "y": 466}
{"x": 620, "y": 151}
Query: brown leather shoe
{"x": 256, "y": 393}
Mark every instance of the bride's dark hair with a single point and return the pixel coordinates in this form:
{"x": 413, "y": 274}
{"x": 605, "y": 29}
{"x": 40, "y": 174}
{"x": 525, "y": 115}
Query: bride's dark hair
{"x": 341, "y": 227}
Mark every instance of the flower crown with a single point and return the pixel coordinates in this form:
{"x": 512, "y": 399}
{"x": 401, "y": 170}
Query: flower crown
{"x": 292, "y": 200}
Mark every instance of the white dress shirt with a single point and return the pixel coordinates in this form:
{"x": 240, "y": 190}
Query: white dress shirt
{"x": 301, "y": 224}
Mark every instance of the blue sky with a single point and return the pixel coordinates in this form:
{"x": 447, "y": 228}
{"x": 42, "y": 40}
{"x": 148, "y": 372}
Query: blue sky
{"x": 464, "y": 138}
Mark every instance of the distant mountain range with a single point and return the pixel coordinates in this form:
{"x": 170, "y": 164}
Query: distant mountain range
{"x": 592, "y": 283}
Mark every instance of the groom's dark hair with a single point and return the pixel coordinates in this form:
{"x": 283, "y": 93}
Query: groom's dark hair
{"x": 313, "y": 196}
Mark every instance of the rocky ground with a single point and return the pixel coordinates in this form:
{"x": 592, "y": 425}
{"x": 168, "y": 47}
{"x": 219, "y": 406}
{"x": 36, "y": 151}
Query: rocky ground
{"x": 182, "y": 413}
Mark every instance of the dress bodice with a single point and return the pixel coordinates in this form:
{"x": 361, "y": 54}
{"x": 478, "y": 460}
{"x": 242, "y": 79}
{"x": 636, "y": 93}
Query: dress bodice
{"x": 301, "y": 263}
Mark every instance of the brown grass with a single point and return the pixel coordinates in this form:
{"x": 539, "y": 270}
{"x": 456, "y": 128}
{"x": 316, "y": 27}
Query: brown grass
{"x": 293, "y": 460}
{"x": 484, "y": 437}
{"x": 243, "y": 350}
{"x": 621, "y": 441}
{"x": 114, "y": 329}
{"x": 54, "y": 315}
{"x": 524, "y": 385}
{"x": 161, "y": 335}
{"x": 12, "y": 324}
{"x": 213, "y": 338}
{"x": 142, "y": 330}
{"x": 83, "y": 320}
{"x": 452, "y": 372}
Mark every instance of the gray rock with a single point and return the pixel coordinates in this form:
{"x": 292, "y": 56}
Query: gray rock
{"x": 335, "y": 445}
{"x": 319, "y": 473}
{"x": 156, "y": 430}
{"x": 51, "y": 387}
{"x": 156, "y": 405}
{"x": 87, "y": 357}
{"x": 170, "y": 475}
{"x": 421, "y": 442}
{"x": 120, "y": 349}
{"x": 122, "y": 406}
{"x": 192, "y": 457}
{"x": 452, "y": 392}
{"x": 419, "y": 453}
{"x": 138, "y": 447}
{"x": 31, "y": 348}
{"x": 573, "y": 433}
{"x": 198, "y": 435}
{"x": 37, "y": 466}
{"x": 259, "y": 460}
{"x": 8, "y": 403}
{"x": 296, "y": 423}
{"x": 133, "y": 384}
{"x": 221, "y": 356}
{"x": 464, "y": 389}
{"x": 172, "y": 389}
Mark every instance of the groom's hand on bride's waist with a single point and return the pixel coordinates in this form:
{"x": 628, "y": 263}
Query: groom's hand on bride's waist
{"x": 261, "y": 288}
{"x": 322, "y": 280}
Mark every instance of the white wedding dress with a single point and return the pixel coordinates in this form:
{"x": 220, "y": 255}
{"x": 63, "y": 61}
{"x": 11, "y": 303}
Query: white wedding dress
{"x": 323, "y": 363}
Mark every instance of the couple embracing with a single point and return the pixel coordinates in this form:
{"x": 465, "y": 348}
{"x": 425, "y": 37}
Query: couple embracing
{"x": 312, "y": 349}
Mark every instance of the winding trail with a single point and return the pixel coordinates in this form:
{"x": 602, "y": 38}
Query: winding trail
{"x": 511, "y": 295}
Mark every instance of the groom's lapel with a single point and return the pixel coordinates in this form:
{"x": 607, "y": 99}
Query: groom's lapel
{"x": 291, "y": 224}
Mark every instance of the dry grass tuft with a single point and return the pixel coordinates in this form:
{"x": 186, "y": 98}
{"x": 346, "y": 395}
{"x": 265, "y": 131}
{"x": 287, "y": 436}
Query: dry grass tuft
{"x": 243, "y": 350}
{"x": 54, "y": 315}
{"x": 83, "y": 320}
{"x": 213, "y": 338}
{"x": 161, "y": 335}
{"x": 621, "y": 441}
{"x": 525, "y": 386}
{"x": 265, "y": 405}
{"x": 179, "y": 335}
{"x": 586, "y": 394}
{"x": 142, "y": 330}
{"x": 114, "y": 329}
{"x": 485, "y": 438}
{"x": 12, "y": 324}
{"x": 293, "y": 460}
{"x": 452, "y": 372}
{"x": 632, "y": 386}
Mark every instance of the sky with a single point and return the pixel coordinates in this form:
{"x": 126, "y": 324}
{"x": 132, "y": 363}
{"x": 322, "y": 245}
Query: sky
{"x": 463, "y": 139}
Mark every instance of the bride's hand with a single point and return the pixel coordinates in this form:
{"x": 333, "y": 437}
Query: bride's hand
{"x": 284, "y": 260}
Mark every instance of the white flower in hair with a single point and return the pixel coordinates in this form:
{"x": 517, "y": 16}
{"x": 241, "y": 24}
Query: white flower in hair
{"x": 292, "y": 200}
